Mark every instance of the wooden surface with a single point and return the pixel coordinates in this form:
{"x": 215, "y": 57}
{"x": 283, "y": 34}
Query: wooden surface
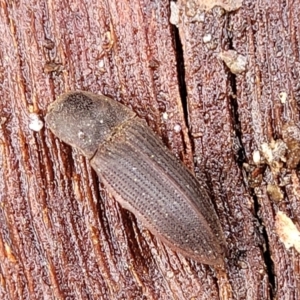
{"x": 62, "y": 236}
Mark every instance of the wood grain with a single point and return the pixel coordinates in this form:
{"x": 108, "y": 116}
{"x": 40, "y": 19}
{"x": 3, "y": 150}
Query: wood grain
{"x": 62, "y": 236}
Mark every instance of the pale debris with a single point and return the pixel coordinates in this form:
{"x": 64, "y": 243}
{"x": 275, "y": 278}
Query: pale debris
{"x": 174, "y": 17}
{"x": 35, "y": 124}
{"x": 207, "y": 38}
{"x": 256, "y": 157}
{"x": 177, "y": 128}
{"x": 235, "y": 62}
{"x": 283, "y": 97}
{"x": 287, "y": 231}
{"x": 275, "y": 154}
{"x": 228, "y": 5}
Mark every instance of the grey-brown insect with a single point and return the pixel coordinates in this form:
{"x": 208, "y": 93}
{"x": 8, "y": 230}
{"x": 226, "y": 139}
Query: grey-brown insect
{"x": 141, "y": 173}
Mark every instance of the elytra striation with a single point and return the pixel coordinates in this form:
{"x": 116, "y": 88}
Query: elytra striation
{"x": 141, "y": 173}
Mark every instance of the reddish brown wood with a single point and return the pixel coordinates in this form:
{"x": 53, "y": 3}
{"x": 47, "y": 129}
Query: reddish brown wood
{"x": 62, "y": 236}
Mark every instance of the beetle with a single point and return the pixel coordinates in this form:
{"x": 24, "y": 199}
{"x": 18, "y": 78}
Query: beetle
{"x": 141, "y": 173}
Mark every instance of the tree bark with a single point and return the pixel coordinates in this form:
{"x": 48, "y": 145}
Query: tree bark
{"x": 219, "y": 86}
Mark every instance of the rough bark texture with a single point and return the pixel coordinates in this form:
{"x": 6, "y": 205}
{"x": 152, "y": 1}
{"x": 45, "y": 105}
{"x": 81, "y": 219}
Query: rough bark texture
{"x": 62, "y": 236}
